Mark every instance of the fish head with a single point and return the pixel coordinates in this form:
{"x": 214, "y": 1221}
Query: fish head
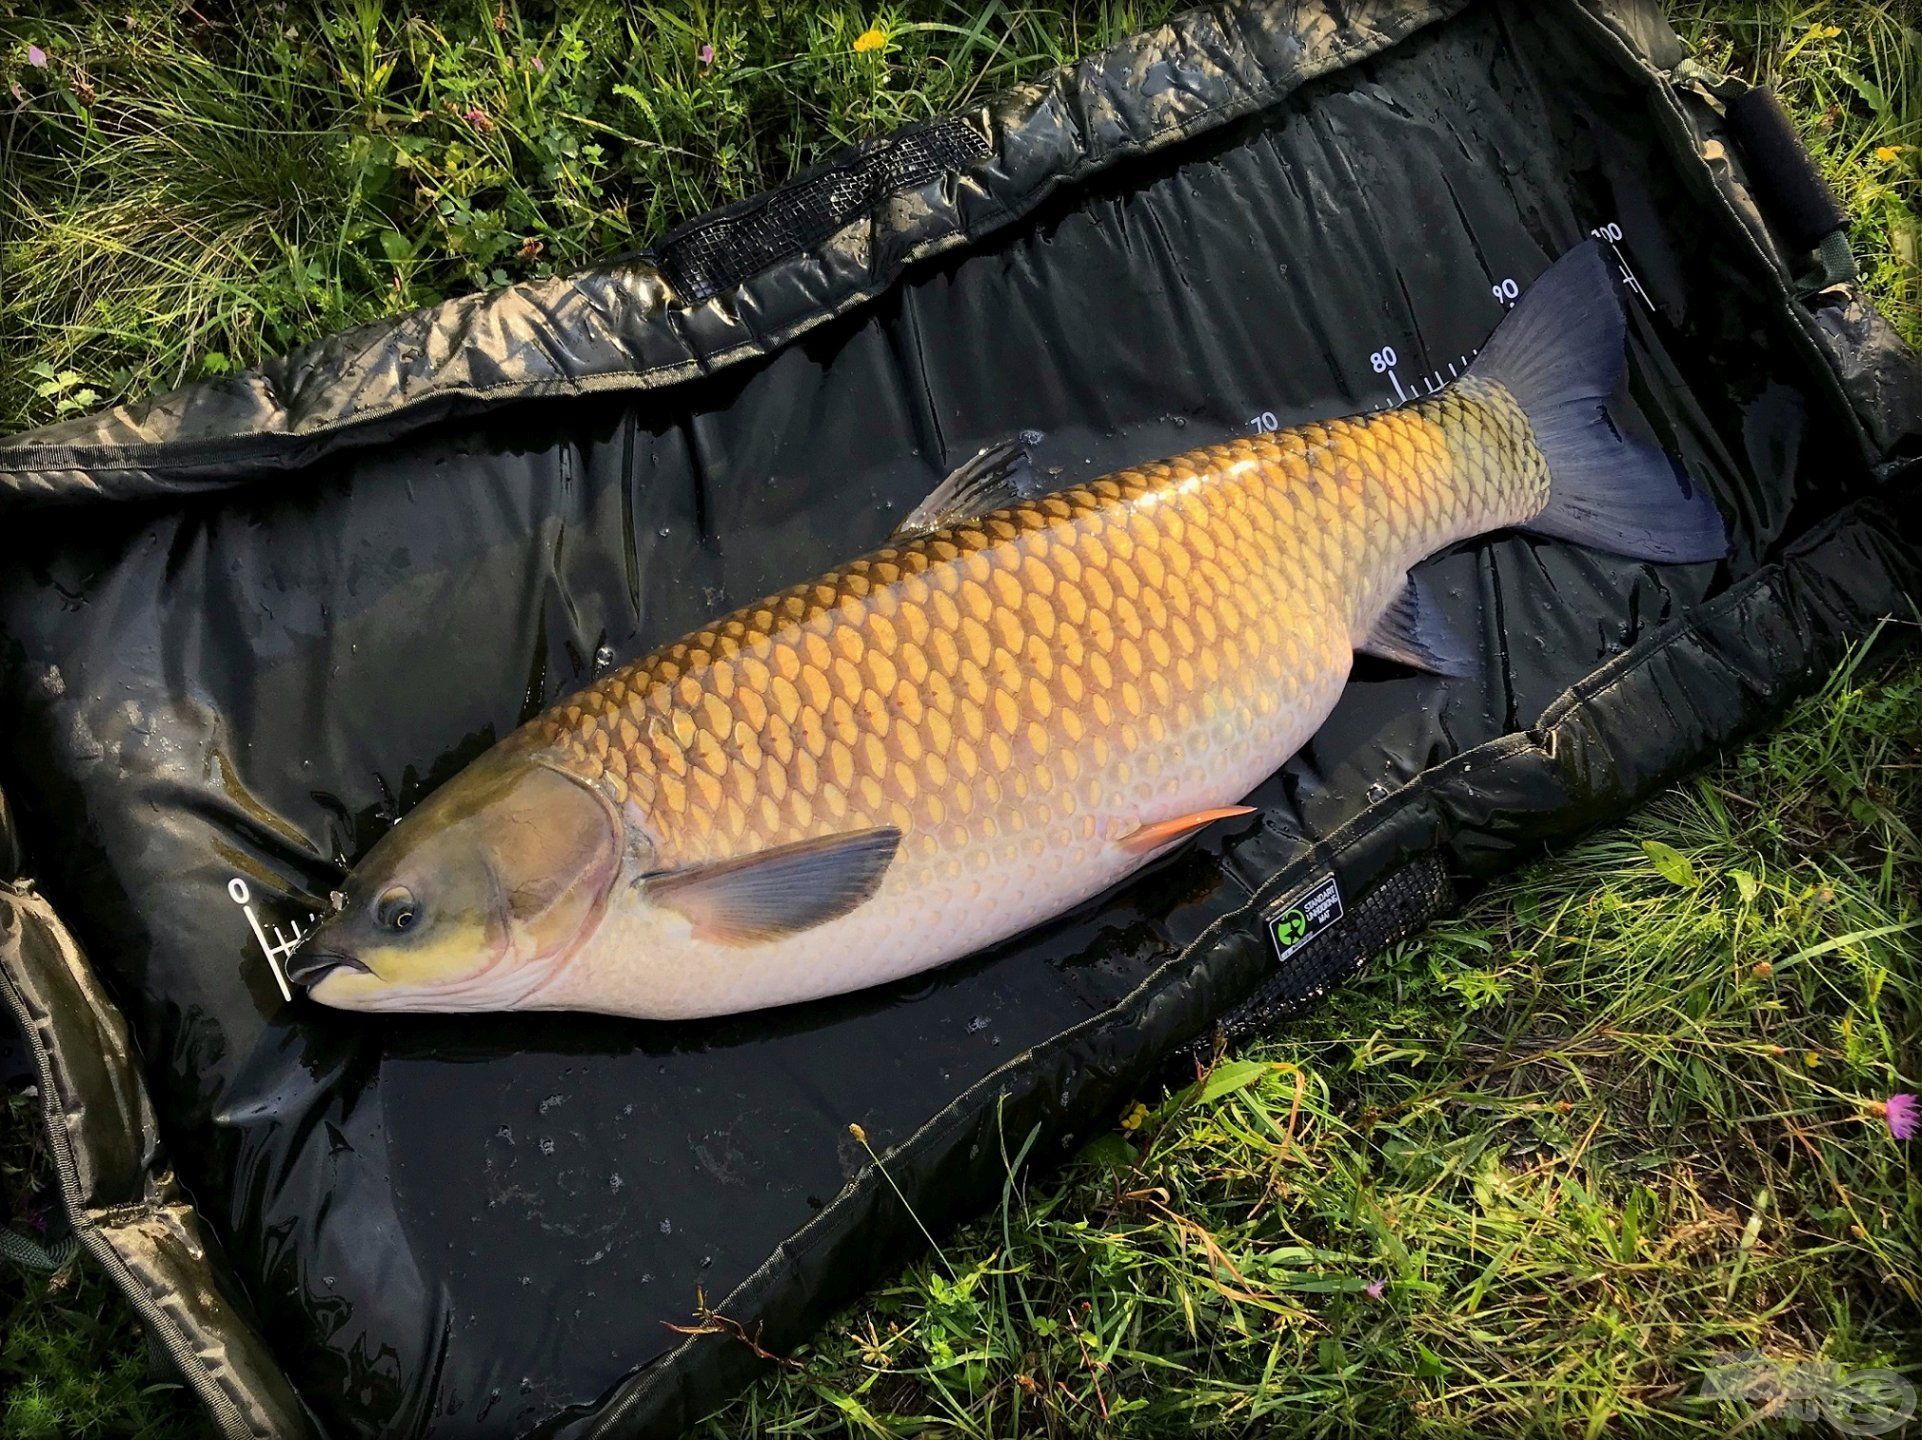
{"x": 475, "y": 900}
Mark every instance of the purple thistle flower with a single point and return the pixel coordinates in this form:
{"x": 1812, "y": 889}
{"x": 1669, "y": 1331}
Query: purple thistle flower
{"x": 36, "y": 57}
{"x": 1374, "y": 1288}
{"x": 1900, "y": 1110}
{"x": 705, "y": 54}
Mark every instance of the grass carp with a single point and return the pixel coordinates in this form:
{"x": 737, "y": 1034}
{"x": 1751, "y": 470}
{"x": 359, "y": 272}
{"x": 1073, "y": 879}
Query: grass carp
{"x": 1016, "y": 701}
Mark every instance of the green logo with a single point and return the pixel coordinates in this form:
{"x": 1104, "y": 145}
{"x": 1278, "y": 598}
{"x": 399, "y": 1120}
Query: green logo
{"x": 1291, "y": 927}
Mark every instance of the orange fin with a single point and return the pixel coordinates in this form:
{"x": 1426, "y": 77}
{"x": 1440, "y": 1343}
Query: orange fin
{"x": 1162, "y": 832}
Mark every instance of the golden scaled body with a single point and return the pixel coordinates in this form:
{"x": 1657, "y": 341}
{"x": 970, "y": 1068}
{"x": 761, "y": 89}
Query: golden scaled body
{"x": 1019, "y": 673}
{"x": 1017, "y": 693}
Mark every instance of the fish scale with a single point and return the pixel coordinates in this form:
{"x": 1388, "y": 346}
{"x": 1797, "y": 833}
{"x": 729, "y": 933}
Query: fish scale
{"x": 1016, "y": 693}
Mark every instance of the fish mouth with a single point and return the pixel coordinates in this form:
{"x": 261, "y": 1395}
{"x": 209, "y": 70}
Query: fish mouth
{"x": 310, "y": 967}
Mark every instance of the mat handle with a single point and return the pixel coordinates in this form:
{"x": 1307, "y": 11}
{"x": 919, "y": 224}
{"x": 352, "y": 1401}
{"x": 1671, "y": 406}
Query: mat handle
{"x": 1792, "y": 191}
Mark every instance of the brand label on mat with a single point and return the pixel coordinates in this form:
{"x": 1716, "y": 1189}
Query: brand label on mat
{"x": 1300, "y": 917}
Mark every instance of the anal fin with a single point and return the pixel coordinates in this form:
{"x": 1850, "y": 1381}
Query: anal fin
{"x": 1411, "y": 632}
{"x": 1163, "y": 832}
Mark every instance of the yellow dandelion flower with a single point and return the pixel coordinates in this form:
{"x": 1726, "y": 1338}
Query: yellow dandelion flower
{"x": 872, "y": 38}
{"x": 1887, "y": 154}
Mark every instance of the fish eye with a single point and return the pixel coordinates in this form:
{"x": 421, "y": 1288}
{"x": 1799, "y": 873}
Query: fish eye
{"x": 396, "y": 910}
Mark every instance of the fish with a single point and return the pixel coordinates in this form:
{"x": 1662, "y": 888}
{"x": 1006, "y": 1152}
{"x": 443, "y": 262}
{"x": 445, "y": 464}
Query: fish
{"x": 1021, "y": 697}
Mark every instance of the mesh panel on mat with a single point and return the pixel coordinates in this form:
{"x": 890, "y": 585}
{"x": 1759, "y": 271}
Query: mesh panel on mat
{"x": 715, "y": 255}
{"x": 1395, "y": 909}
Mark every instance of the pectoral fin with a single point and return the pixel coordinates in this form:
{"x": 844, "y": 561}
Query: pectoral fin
{"x": 1163, "y": 832}
{"x": 997, "y": 476}
{"x": 779, "y": 892}
{"x": 1411, "y": 632}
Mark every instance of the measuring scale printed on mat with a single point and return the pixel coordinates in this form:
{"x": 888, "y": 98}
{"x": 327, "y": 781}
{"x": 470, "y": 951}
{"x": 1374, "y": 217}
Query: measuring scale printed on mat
{"x": 1506, "y": 290}
{"x": 276, "y": 944}
{"x": 281, "y": 946}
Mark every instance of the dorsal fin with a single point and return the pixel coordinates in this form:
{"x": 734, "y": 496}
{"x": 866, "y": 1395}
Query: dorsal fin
{"x": 996, "y": 476}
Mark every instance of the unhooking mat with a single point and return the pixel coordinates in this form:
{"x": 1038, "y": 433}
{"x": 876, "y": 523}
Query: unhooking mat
{"x": 248, "y": 624}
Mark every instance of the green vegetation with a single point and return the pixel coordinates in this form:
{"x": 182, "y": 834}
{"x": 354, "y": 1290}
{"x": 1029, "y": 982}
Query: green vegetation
{"x": 183, "y": 197}
{"x": 73, "y": 1361}
{"x": 1619, "y": 1118}
{"x": 1850, "y": 74}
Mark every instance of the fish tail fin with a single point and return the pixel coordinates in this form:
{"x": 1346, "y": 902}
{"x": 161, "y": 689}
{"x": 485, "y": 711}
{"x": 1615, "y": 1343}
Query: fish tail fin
{"x": 1560, "y": 353}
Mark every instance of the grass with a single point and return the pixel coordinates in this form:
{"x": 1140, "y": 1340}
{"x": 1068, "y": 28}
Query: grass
{"x": 184, "y": 196}
{"x": 1615, "y": 1121}
{"x": 1850, "y": 75}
